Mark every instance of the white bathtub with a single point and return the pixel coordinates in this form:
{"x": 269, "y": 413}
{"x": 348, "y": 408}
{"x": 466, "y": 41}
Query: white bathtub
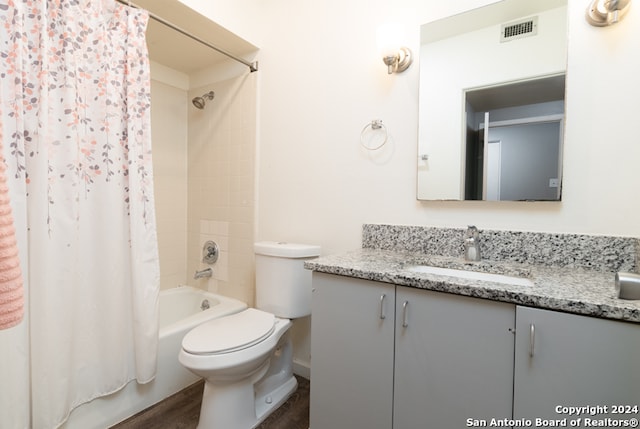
{"x": 179, "y": 312}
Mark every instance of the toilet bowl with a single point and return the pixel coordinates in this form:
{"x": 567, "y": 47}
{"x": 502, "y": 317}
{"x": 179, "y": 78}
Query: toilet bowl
{"x": 246, "y": 359}
{"x": 232, "y": 365}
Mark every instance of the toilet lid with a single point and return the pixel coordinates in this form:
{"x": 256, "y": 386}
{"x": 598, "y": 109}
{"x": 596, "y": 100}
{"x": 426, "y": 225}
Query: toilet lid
{"x": 230, "y": 333}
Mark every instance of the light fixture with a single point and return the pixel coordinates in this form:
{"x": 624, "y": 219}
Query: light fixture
{"x": 398, "y": 58}
{"x": 601, "y": 13}
{"x": 399, "y": 62}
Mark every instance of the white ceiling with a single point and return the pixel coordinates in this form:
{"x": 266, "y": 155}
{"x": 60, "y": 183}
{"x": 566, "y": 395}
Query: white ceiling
{"x": 500, "y": 12}
{"x": 179, "y": 52}
{"x": 518, "y": 93}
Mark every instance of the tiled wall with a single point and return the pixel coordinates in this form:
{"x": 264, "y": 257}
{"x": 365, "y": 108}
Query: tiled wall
{"x": 169, "y": 145}
{"x": 221, "y": 175}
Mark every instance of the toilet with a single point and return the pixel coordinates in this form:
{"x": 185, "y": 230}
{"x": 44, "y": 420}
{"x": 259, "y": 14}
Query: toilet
{"x": 246, "y": 358}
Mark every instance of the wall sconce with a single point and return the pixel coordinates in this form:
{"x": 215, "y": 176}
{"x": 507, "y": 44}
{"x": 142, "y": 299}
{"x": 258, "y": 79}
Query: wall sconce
{"x": 601, "y": 13}
{"x": 390, "y": 37}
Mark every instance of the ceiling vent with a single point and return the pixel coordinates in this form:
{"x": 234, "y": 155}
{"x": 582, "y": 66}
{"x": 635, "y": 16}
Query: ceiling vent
{"x": 519, "y": 30}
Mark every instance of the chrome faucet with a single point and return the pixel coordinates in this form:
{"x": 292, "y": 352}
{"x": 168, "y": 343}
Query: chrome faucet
{"x": 472, "y": 244}
{"x": 207, "y": 272}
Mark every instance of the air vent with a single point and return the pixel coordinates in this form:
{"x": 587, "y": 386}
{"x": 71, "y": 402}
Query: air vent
{"x": 519, "y": 30}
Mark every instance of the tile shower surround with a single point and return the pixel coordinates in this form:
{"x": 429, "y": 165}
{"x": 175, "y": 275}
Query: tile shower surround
{"x": 600, "y": 253}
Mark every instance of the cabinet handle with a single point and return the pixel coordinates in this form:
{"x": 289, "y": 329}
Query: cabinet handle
{"x": 405, "y": 314}
{"x": 532, "y": 339}
{"x": 382, "y": 306}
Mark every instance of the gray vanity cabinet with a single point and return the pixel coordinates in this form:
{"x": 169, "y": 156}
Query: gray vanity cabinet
{"x": 453, "y": 360}
{"x": 566, "y": 360}
{"x": 385, "y": 356}
{"x": 352, "y": 330}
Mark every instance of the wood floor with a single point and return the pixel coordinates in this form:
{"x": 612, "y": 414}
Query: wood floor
{"x": 181, "y": 411}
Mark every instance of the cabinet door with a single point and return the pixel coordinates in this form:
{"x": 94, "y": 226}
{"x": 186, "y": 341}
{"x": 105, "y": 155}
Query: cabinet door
{"x": 351, "y": 353}
{"x": 454, "y": 360}
{"x": 566, "y": 360}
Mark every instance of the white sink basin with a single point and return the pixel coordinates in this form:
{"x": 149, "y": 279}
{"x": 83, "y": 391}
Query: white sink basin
{"x": 473, "y": 275}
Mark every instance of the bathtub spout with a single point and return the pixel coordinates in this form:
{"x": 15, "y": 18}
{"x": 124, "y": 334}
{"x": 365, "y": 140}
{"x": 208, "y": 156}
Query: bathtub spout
{"x": 207, "y": 272}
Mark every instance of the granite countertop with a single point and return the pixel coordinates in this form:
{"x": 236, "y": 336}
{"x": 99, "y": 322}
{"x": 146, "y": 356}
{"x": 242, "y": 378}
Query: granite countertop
{"x": 572, "y": 290}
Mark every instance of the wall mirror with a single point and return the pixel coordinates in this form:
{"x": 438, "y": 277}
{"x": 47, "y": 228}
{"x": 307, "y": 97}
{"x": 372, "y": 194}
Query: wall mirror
{"x": 492, "y": 88}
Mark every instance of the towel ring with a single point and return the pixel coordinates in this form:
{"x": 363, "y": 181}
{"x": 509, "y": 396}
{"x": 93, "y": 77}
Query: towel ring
{"x": 375, "y": 125}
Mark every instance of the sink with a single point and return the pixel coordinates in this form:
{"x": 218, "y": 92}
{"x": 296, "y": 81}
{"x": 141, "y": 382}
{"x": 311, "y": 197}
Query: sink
{"x": 473, "y": 275}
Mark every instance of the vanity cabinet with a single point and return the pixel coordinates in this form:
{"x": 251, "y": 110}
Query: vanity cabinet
{"x": 570, "y": 360}
{"x": 386, "y": 356}
{"x": 395, "y": 357}
{"x": 352, "y": 334}
{"x": 453, "y": 359}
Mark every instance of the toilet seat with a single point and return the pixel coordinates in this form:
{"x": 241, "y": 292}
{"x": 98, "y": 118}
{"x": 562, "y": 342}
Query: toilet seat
{"x": 230, "y": 333}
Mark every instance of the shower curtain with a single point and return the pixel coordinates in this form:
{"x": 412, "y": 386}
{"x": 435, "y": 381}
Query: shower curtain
{"x": 75, "y": 115}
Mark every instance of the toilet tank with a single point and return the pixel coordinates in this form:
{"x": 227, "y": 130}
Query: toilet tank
{"x": 283, "y": 286}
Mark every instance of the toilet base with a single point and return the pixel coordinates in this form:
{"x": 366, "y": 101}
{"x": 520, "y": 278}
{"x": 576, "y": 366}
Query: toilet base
{"x": 245, "y": 403}
{"x": 238, "y": 407}
{"x": 271, "y": 401}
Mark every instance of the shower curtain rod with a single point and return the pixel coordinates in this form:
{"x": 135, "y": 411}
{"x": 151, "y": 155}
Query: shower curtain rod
{"x": 252, "y": 66}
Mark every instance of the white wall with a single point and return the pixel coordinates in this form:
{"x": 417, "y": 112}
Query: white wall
{"x": 321, "y": 80}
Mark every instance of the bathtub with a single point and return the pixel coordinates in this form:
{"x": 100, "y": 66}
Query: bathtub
{"x": 179, "y": 312}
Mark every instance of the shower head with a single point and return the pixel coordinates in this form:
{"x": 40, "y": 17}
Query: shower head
{"x": 199, "y": 102}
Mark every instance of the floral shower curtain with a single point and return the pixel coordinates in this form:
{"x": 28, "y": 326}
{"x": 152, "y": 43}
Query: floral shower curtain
{"x": 75, "y": 115}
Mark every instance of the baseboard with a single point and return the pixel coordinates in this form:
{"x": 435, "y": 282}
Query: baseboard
{"x": 302, "y": 368}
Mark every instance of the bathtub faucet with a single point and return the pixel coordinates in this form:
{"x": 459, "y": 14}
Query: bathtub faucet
{"x": 207, "y": 272}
